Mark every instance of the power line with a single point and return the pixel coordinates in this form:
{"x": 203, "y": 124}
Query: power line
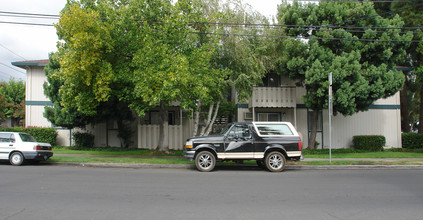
{"x": 277, "y": 36}
{"x": 26, "y": 23}
{"x": 28, "y": 14}
{"x": 7, "y": 74}
{"x": 12, "y": 51}
{"x": 11, "y": 68}
{"x": 347, "y": 1}
{"x": 388, "y": 12}
{"x": 228, "y": 23}
{"x": 335, "y": 30}
{"x": 309, "y": 38}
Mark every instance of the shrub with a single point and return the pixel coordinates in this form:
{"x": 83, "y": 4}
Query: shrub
{"x": 45, "y": 135}
{"x": 412, "y": 140}
{"x": 83, "y": 139}
{"x": 369, "y": 142}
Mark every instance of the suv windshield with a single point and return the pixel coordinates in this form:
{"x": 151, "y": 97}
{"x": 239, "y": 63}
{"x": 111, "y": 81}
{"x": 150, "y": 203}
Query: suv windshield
{"x": 225, "y": 129}
{"x": 27, "y": 138}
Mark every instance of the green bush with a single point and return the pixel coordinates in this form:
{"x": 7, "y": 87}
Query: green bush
{"x": 83, "y": 139}
{"x": 369, "y": 142}
{"x": 412, "y": 140}
{"x": 45, "y": 135}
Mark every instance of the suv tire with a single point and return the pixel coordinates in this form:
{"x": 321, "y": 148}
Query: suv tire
{"x": 205, "y": 161}
{"x": 275, "y": 161}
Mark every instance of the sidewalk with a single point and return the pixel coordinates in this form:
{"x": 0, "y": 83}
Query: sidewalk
{"x": 244, "y": 166}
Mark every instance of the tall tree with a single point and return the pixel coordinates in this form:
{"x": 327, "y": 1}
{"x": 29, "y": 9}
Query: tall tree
{"x": 3, "y": 105}
{"x": 237, "y": 54}
{"x": 56, "y": 114}
{"x": 342, "y": 38}
{"x": 411, "y": 106}
{"x": 139, "y": 52}
{"x": 14, "y": 93}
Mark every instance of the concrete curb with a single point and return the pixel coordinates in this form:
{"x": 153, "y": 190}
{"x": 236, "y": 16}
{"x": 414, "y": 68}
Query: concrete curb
{"x": 288, "y": 167}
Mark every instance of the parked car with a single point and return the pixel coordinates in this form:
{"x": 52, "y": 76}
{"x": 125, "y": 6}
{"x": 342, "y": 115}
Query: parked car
{"x": 18, "y": 147}
{"x": 269, "y": 143}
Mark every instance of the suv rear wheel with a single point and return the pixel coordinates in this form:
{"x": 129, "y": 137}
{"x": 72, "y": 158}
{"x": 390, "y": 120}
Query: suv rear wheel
{"x": 205, "y": 161}
{"x": 275, "y": 161}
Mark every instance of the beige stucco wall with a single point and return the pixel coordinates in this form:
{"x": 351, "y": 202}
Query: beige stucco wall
{"x": 383, "y": 118}
{"x": 34, "y": 97}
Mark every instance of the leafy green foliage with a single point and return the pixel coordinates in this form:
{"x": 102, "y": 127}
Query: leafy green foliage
{"x": 361, "y": 62}
{"x": 134, "y": 54}
{"x": 45, "y": 135}
{"x": 369, "y": 142}
{"x": 240, "y": 54}
{"x": 362, "y": 70}
{"x": 3, "y": 105}
{"x": 412, "y": 108}
{"x": 59, "y": 116}
{"x": 412, "y": 140}
{"x": 85, "y": 140}
{"x": 13, "y": 93}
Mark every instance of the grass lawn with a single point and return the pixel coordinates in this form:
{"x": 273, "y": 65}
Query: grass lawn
{"x": 351, "y": 153}
{"x": 61, "y": 159}
{"x": 118, "y": 155}
{"x": 113, "y": 151}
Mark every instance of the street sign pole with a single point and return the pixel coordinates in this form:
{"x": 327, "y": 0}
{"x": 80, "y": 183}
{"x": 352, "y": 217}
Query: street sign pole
{"x": 330, "y": 110}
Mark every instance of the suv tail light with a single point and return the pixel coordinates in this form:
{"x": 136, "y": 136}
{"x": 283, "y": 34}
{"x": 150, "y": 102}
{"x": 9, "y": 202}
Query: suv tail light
{"x": 299, "y": 145}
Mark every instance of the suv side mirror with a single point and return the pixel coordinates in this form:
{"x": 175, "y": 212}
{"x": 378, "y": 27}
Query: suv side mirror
{"x": 246, "y": 133}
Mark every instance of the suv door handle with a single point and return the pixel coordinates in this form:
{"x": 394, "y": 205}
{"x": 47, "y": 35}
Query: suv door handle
{"x": 11, "y": 145}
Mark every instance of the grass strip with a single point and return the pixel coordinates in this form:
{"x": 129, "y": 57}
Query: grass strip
{"x": 248, "y": 162}
{"x": 59, "y": 159}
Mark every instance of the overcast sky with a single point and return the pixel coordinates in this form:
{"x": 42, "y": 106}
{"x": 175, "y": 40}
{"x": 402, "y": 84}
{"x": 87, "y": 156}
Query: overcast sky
{"x": 25, "y": 42}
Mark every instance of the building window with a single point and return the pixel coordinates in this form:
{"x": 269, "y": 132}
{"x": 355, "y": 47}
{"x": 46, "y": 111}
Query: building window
{"x": 275, "y": 116}
{"x": 272, "y": 80}
{"x": 155, "y": 118}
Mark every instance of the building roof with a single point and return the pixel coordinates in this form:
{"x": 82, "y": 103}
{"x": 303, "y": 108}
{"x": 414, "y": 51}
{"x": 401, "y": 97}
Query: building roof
{"x": 27, "y": 63}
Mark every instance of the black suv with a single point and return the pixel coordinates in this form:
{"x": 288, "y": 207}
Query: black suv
{"x": 269, "y": 143}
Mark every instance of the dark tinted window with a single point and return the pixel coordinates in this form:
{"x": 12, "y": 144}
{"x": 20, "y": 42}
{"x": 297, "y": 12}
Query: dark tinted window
{"x": 277, "y": 129}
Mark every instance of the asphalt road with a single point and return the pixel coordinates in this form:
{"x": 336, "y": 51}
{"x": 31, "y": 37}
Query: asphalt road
{"x": 63, "y": 192}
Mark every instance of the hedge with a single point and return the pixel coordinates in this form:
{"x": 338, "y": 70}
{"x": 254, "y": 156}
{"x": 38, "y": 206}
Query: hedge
{"x": 369, "y": 142}
{"x": 412, "y": 140}
{"x": 83, "y": 139}
{"x": 45, "y": 135}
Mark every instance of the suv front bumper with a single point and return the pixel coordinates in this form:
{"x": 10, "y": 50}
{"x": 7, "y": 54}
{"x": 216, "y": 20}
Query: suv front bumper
{"x": 189, "y": 154}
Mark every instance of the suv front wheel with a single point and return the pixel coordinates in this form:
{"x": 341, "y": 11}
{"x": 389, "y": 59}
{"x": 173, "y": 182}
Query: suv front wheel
{"x": 275, "y": 161}
{"x": 205, "y": 161}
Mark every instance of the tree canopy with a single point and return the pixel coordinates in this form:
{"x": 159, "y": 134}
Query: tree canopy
{"x": 12, "y": 97}
{"x": 141, "y": 53}
{"x": 342, "y": 38}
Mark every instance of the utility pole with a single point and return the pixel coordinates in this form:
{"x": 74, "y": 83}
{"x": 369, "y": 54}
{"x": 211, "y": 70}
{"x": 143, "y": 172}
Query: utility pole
{"x": 330, "y": 110}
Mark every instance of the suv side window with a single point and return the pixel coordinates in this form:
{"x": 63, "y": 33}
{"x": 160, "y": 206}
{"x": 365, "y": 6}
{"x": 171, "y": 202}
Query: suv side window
{"x": 279, "y": 129}
{"x": 239, "y": 131}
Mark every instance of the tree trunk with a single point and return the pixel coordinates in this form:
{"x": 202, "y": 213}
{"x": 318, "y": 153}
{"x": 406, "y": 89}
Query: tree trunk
{"x": 312, "y": 140}
{"x": 214, "y": 119}
{"x": 421, "y": 112}
{"x": 163, "y": 130}
{"x": 209, "y": 118}
{"x": 196, "y": 119}
{"x": 405, "y": 119}
{"x": 120, "y": 128}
